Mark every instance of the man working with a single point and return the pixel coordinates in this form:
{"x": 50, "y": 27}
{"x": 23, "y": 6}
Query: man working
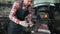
{"x": 16, "y": 25}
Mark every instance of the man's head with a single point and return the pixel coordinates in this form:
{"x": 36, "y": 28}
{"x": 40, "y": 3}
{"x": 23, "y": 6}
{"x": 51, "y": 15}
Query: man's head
{"x": 27, "y": 2}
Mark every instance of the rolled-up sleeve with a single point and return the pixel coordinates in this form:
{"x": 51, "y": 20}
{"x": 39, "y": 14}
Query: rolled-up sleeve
{"x": 12, "y": 14}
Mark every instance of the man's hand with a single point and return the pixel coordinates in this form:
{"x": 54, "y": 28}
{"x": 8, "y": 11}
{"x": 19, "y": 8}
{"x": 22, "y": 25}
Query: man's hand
{"x": 31, "y": 24}
{"x": 24, "y": 23}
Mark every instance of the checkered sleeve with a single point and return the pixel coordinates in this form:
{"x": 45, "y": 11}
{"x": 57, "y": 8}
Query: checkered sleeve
{"x": 12, "y": 14}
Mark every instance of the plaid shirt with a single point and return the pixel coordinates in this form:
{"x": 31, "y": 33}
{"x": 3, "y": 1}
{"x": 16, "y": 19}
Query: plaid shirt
{"x": 15, "y": 6}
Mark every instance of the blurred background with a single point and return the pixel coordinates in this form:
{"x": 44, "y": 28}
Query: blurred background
{"x": 5, "y": 7}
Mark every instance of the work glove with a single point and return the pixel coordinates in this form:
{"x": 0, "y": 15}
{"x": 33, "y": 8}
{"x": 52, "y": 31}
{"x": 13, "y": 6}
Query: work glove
{"x": 30, "y": 24}
{"x": 24, "y": 23}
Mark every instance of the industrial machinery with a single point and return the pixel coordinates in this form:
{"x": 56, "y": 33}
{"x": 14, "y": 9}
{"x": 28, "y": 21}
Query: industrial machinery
{"x": 41, "y": 16}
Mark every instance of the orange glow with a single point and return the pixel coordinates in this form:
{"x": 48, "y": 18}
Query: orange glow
{"x": 46, "y": 15}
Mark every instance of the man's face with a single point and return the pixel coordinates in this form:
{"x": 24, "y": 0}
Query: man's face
{"x": 27, "y": 2}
